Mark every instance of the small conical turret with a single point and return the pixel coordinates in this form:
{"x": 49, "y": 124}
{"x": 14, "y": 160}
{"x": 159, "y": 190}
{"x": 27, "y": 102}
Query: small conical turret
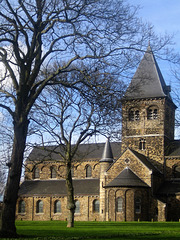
{"x": 105, "y": 163}
{"x": 107, "y": 153}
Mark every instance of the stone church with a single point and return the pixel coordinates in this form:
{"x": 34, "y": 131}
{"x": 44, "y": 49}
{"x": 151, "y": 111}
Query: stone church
{"x": 137, "y": 179}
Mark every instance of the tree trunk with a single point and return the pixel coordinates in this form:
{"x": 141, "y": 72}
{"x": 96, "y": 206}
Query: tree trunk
{"x": 7, "y": 227}
{"x": 70, "y": 219}
{"x": 70, "y": 197}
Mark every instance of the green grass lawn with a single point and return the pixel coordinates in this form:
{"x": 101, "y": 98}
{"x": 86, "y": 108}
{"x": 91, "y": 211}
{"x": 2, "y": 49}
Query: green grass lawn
{"x": 51, "y": 230}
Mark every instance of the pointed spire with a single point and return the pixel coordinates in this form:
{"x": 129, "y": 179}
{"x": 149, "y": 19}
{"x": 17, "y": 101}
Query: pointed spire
{"x": 149, "y": 49}
{"x": 148, "y": 81}
{"x": 107, "y": 153}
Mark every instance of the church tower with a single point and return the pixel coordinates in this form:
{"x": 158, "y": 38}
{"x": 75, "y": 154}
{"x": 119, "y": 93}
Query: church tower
{"x": 148, "y": 112}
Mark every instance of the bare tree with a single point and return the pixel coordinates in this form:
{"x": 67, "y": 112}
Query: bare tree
{"x": 34, "y": 33}
{"x": 5, "y": 149}
{"x": 176, "y": 97}
{"x": 69, "y": 117}
{"x": 2, "y": 177}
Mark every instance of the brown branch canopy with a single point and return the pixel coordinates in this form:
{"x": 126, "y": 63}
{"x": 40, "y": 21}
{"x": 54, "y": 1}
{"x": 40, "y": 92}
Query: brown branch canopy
{"x": 40, "y": 32}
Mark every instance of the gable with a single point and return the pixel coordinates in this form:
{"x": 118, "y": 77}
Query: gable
{"x": 137, "y": 162}
{"x": 127, "y": 179}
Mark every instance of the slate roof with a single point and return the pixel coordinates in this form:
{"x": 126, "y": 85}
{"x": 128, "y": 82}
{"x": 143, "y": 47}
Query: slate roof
{"x": 58, "y": 187}
{"x": 170, "y": 188}
{"x": 147, "y": 81}
{"x": 92, "y": 151}
{"x": 127, "y": 179}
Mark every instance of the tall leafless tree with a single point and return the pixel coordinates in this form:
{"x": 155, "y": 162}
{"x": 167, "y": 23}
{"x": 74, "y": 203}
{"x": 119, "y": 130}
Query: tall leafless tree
{"x": 34, "y": 33}
{"x": 5, "y": 149}
{"x": 68, "y": 117}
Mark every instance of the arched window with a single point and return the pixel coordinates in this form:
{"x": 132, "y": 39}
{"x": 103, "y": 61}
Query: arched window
{"x": 119, "y": 204}
{"x": 131, "y": 115}
{"x": 137, "y": 205}
{"x": 39, "y": 206}
{"x": 152, "y": 113}
{"x": 21, "y": 208}
{"x": 36, "y": 173}
{"x": 88, "y": 171}
{"x": 142, "y": 144}
{"x": 57, "y": 206}
{"x": 155, "y": 113}
{"x": 77, "y": 206}
{"x": 134, "y": 115}
{"x": 53, "y": 172}
{"x": 96, "y": 206}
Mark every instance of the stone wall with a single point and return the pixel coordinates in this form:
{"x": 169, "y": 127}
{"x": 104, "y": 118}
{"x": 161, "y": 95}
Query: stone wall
{"x": 79, "y": 169}
{"x": 152, "y": 131}
{"x": 129, "y": 211}
{"x": 86, "y": 209}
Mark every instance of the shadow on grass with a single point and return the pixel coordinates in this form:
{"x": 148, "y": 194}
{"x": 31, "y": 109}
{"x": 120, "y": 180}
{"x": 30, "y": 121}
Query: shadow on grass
{"x": 128, "y": 236}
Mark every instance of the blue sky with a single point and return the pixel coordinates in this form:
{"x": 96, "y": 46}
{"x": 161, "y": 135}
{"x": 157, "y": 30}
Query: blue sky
{"x": 164, "y": 15}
